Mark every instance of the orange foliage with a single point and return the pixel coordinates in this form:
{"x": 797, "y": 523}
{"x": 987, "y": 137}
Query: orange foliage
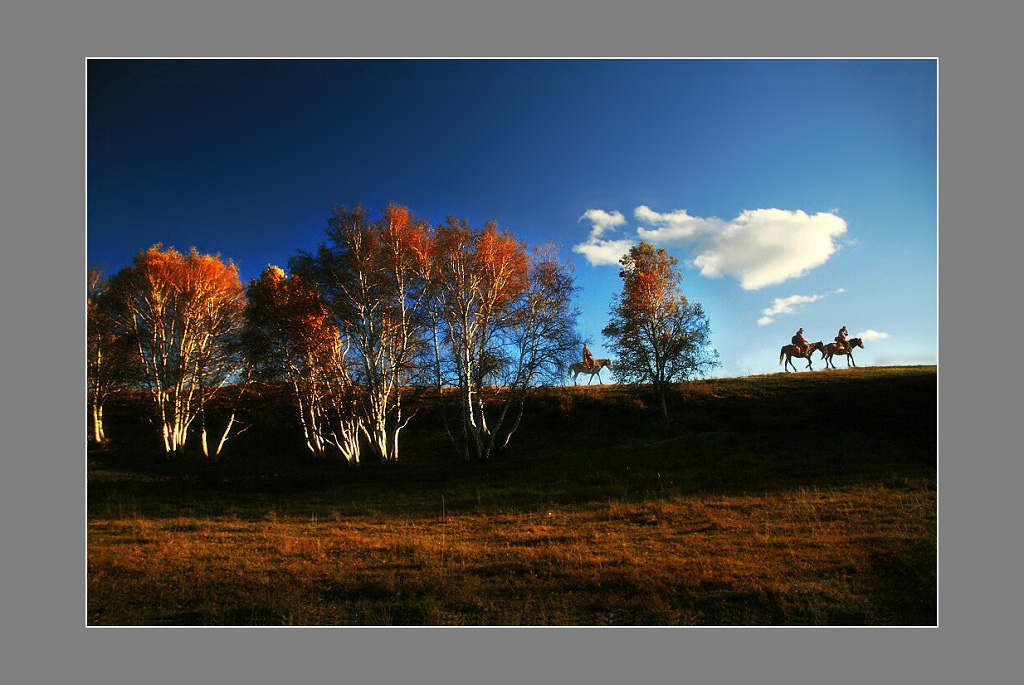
{"x": 294, "y": 315}
{"x": 180, "y": 310}
{"x": 504, "y": 264}
{"x": 650, "y": 283}
{"x": 487, "y": 270}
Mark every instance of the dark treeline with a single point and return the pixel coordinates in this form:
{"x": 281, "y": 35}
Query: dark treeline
{"x": 387, "y": 314}
{"x": 386, "y": 308}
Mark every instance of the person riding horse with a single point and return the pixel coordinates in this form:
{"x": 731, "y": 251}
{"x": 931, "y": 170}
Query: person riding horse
{"x": 588, "y": 359}
{"x": 800, "y": 341}
{"x": 841, "y": 339}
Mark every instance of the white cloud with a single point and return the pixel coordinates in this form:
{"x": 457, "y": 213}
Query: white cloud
{"x": 870, "y": 334}
{"x": 602, "y": 221}
{"x": 763, "y": 247}
{"x": 760, "y": 247}
{"x": 786, "y": 305}
{"x": 599, "y": 250}
{"x": 677, "y": 225}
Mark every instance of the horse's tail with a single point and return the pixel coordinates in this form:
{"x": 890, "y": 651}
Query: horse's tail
{"x": 782, "y": 353}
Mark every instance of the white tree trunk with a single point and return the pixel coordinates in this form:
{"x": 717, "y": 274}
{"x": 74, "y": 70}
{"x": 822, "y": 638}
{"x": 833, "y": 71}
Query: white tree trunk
{"x": 98, "y": 433}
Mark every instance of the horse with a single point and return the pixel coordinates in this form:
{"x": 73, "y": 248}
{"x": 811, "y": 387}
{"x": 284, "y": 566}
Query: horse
{"x": 832, "y": 349}
{"x": 790, "y": 351}
{"x": 580, "y": 367}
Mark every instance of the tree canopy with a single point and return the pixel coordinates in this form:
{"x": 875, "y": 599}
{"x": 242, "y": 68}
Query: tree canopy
{"x": 182, "y": 312}
{"x": 385, "y": 308}
{"x": 656, "y": 333}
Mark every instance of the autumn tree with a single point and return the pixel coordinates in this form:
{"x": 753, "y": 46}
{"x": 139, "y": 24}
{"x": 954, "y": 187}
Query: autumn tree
{"x": 501, "y": 315}
{"x": 183, "y": 313}
{"x": 656, "y": 333}
{"x": 290, "y": 335}
{"x": 110, "y": 364}
{"x": 373, "y": 274}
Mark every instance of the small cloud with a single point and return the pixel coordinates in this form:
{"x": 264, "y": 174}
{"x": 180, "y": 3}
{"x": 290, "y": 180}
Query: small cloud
{"x": 599, "y": 252}
{"x": 677, "y": 225}
{"x": 602, "y": 221}
{"x": 870, "y": 334}
{"x": 597, "y": 249}
{"x": 790, "y": 305}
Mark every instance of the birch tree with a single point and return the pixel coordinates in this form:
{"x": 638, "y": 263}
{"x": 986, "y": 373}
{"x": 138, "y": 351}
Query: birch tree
{"x": 110, "y": 365}
{"x": 182, "y": 313}
{"x": 502, "y": 316}
{"x": 373, "y": 274}
{"x": 289, "y": 335}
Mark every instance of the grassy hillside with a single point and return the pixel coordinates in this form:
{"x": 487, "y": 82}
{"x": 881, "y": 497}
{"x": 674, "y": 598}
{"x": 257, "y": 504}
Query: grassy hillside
{"x": 806, "y": 498}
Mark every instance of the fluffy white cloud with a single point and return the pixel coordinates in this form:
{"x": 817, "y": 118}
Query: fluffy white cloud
{"x": 599, "y": 250}
{"x": 767, "y": 246}
{"x": 677, "y": 225}
{"x": 760, "y": 247}
{"x": 602, "y": 220}
{"x": 870, "y": 334}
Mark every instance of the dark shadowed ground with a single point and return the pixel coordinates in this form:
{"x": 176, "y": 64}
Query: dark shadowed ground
{"x": 786, "y": 499}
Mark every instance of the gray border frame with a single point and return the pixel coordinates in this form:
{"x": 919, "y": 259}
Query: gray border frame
{"x": 42, "y": 73}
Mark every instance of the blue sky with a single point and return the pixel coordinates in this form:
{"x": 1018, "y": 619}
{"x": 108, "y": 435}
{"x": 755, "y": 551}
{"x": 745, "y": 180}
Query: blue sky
{"x": 793, "y": 192}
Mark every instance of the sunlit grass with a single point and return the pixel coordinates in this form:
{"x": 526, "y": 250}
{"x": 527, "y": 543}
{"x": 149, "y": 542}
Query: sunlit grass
{"x": 803, "y": 557}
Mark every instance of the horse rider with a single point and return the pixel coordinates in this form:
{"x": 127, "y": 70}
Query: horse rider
{"x": 841, "y": 339}
{"x": 800, "y": 341}
{"x": 588, "y": 359}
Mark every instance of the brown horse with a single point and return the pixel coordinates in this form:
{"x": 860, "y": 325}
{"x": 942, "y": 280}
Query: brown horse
{"x": 790, "y": 351}
{"x": 595, "y": 370}
{"x": 833, "y": 349}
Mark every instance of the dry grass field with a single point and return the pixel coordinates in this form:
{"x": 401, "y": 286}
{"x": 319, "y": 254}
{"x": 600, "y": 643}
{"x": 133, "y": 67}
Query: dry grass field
{"x": 787, "y": 499}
